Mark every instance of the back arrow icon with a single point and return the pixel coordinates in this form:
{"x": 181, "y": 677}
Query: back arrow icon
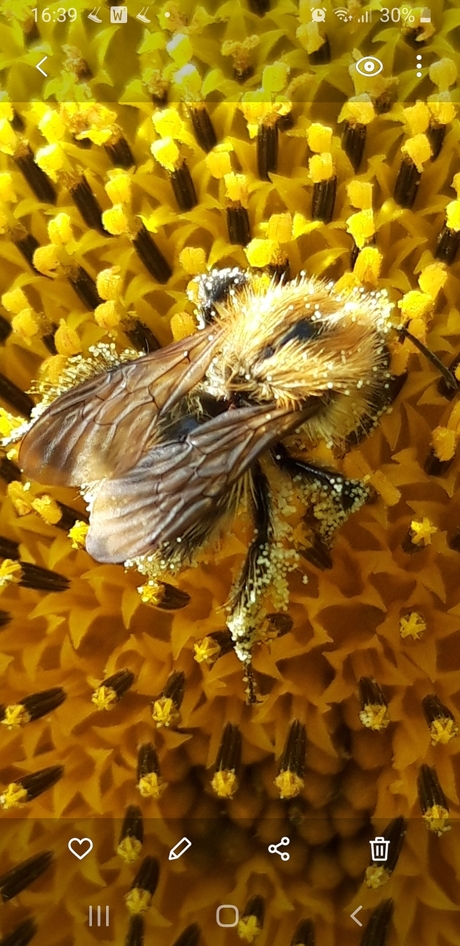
{"x": 353, "y": 915}
{"x": 40, "y": 64}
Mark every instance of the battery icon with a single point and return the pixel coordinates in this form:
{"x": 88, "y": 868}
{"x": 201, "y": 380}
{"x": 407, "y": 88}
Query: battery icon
{"x": 425, "y": 16}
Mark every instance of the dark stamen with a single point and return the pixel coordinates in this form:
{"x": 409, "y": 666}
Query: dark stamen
{"x": 407, "y": 184}
{"x": 203, "y": 127}
{"x": 132, "y": 826}
{"x": 304, "y": 934}
{"x": 135, "y": 935}
{"x": 87, "y": 204}
{"x": 173, "y": 598}
{"x": 38, "y": 782}
{"x": 323, "y": 200}
{"x": 239, "y": 228}
{"x": 152, "y": 258}
{"x": 375, "y": 933}
{"x": 321, "y": 56}
{"x": 15, "y": 397}
{"x": 9, "y": 472}
{"x": 147, "y": 875}
{"x": 267, "y": 148}
{"x": 42, "y": 579}
{"x": 141, "y": 336}
{"x": 40, "y": 183}
{"x": 353, "y": 142}
{"x": 22, "y": 935}
{"x": 26, "y": 244}
{"x": 183, "y": 187}
{"x": 19, "y": 877}
{"x": 188, "y": 937}
{"x": 119, "y": 151}
{"x": 447, "y": 245}
{"x": 85, "y": 287}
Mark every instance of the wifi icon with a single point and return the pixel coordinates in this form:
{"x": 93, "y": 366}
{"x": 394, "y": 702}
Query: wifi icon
{"x": 343, "y": 14}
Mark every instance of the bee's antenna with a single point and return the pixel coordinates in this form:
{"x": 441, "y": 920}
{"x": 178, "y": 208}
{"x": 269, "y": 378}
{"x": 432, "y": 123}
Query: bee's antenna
{"x": 448, "y": 375}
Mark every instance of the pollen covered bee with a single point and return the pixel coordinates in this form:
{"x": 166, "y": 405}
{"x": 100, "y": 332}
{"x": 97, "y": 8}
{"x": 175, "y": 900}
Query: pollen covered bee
{"x": 169, "y": 447}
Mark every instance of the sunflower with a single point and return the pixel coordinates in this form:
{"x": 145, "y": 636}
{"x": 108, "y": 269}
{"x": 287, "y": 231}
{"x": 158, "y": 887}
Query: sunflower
{"x": 230, "y": 135}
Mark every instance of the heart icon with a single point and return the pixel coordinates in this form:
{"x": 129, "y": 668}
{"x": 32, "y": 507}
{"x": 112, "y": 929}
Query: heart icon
{"x": 78, "y": 842}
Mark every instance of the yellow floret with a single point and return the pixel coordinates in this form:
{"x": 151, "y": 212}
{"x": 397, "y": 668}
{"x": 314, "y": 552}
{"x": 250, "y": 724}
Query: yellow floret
{"x": 422, "y": 530}
{"x": 280, "y": 228}
{"x": 418, "y": 149}
{"x": 168, "y": 123}
{"x": 77, "y": 534}
{"x": 225, "y": 783}
{"x": 275, "y": 77}
{"x": 444, "y": 443}
{"x": 47, "y": 508}
{"x": 443, "y": 73}
{"x": 13, "y": 796}
{"x": 321, "y": 167}
{"x": 412, "y": 625}
{"x": 182, "y": 325}
{"x": 443, "y": 730}
{"x": 115, "y": 220}
{"x": 319, "y": 137}
{"x": 165, "y": 712}
{"x": 10, "y": 572}
{"x": 20, "y": 496}
{"x": 453, "y": 215}
{"x": 60, "y": 229}
{"x": 7, "y": 191}
{"x": 417, "y": 117}
{"x": 289, "y": 784}
{"x": 108, "y": 315}
{"x": 46, "y": 259}
{"x": 359, "y": 110}
{"x": 193, "y": 260}
{"x": 415, "y": 305}
{"x": 218, "y": 163}
{"x": 360, "y": 194}
{"x": 432, "y": 279}
{"x": 362, "y": 227}
{"x": 26, "y": 324}
{"x": 368, "y": 265}
{"x": 236, "y": 188}
{"x": 166, "y": 152}
{"x": 66, "y": 340}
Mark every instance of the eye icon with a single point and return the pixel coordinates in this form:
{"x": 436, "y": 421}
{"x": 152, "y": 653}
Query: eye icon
{"x": 369, "y": 66}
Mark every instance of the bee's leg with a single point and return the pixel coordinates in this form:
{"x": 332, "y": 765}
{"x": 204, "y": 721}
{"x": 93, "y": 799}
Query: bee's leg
{"x": 245, "y": 615}
{"x": 330, "y": 496}
{"x": 215, "y": 287}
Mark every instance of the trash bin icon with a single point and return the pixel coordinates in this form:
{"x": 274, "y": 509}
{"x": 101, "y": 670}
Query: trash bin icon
{"x": 379, "y": 849}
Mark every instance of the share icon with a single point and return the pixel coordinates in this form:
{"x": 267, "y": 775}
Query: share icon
{"x": 275, "y": 849}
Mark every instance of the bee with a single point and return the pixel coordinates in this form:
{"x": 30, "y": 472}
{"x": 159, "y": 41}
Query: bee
{"x": 167, "y": 448}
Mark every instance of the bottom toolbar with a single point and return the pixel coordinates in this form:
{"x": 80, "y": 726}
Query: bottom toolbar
{"x": 217, "y": 882}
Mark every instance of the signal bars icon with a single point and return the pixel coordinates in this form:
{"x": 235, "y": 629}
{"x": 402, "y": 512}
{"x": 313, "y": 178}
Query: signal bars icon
{"x": 366, "y": 17}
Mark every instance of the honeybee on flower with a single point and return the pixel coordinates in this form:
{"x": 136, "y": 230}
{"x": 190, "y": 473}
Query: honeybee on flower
{"x": 167, "y": 448}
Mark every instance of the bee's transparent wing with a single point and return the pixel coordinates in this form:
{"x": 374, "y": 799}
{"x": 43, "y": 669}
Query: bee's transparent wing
{"x": 180, "y": 489}
{"x": 105, "y": 425}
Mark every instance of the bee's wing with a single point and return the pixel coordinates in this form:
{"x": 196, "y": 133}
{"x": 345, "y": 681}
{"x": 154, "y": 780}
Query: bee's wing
{"x": 178, "y": 491}
{"x": 103, "y": 426}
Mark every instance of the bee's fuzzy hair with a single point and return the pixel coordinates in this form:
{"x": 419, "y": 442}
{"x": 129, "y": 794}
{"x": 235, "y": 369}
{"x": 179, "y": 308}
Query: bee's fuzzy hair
{"x": 346, "y": 353}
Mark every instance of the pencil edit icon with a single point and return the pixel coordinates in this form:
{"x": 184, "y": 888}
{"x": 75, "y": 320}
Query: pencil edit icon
{"x": 179, "y": 849}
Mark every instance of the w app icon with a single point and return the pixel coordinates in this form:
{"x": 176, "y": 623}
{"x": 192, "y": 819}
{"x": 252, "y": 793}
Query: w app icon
{"x": 118, "y": 14}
